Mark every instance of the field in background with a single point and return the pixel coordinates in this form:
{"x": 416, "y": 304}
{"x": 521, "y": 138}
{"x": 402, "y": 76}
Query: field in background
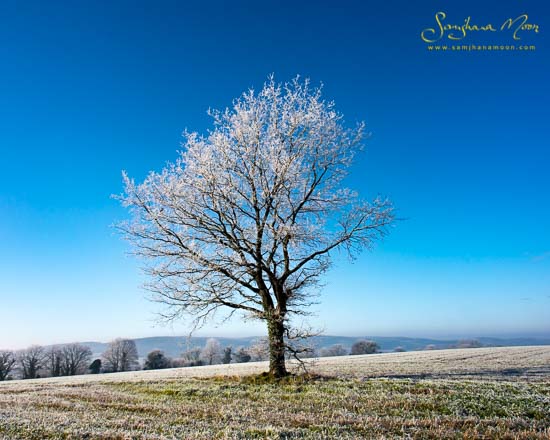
{"x": 470, "y": 393}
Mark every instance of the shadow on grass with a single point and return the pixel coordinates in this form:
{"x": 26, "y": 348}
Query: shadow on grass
{"x": 504, "y": 374}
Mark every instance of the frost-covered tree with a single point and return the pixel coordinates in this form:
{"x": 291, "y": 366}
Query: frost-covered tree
{"x": 7, "y": 362}
{"x": 248, "y": 216}
{"x": 259, "y": 350}
{"x": 212, "y": 352}
{"x": 334, "y": 350}
{"x": 190, "y": 358}
{"x": 121, "y": 355}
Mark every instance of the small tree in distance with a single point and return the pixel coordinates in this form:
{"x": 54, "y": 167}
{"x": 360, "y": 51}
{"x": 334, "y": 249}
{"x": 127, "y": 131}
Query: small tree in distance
{"x": 259, "y": 350}
{"x": 31, "y": 360}
{"x": 157, "y": 360}
{"x": 191, "y": 358}
{"x": 335, "y": 350}
{"x": 364, "y": 347}
{"x": 241, "y": 356}
{"x": 7, "y": 362}
{"x": 53, "y": 359}
{"x": 95, "y": 366}
{"x": 74, "y": 359}
{"x": 212, "y": 352}
{"x": 248, "y": 217}
{"x": 121, "y": 355}
{"x": 226, "y": 359}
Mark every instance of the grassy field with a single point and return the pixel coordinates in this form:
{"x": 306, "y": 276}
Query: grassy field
{"x": 475, "y": 393}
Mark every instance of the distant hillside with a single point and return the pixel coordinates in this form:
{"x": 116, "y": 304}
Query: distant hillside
{"x": 174, "y": 345}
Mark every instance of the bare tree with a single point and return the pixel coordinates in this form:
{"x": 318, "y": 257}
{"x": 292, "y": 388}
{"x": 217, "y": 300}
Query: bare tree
{"x": 190, "y": 358}
{"x": 334, "y": 350}
{"x": 212, "y": 352}
{"x": 53, "y": 359}
{"x": 31, "y": 361}
{"x": 7, "y": 362}
{"x": 121, "y": 355}
{"x": 249, "y": 216}
{"x": 75, "y": 359}
{"x": 364, "y": 347}
{"x": 192, "y": 355}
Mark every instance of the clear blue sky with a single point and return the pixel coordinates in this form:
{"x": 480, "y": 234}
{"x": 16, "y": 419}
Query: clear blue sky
{"x": 460, "y": 143}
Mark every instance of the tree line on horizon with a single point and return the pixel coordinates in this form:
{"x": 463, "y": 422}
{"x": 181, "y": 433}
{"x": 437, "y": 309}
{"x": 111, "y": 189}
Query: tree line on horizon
{"x": 122, "y": 355}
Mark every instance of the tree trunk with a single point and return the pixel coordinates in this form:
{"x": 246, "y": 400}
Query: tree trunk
{"x": 275, "y": 329}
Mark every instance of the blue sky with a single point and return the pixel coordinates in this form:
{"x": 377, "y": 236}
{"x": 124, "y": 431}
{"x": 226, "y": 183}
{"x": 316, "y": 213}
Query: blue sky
{"x": 459, "y": 142}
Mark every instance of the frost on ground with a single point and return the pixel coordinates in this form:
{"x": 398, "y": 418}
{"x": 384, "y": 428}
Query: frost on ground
{"x": 473, "y": 393}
